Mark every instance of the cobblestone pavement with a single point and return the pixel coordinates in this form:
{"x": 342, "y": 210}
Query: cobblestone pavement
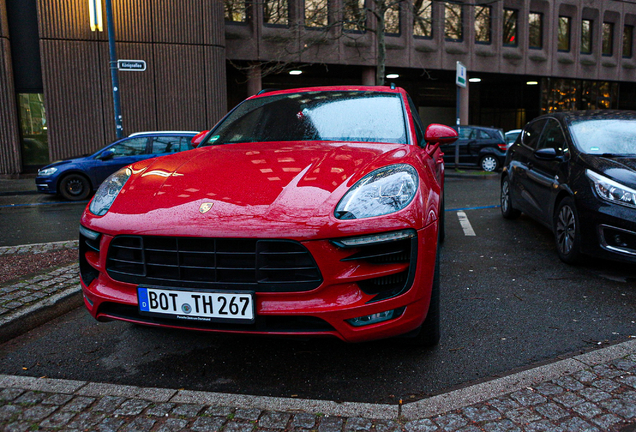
{"x": 590, "y": 392}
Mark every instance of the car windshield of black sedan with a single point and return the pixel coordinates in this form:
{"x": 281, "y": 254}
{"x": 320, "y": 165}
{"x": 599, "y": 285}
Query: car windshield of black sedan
{"x": 316, "y": 116}
{"x": 605, "y": 136}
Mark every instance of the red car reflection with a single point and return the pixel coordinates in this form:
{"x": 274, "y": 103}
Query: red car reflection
{"x": 307, "y": 212}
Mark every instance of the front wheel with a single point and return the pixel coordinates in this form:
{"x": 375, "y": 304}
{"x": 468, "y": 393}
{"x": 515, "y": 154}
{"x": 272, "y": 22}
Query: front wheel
{"x": 489, "y": 163}
{"x": 75, "y": 187}
{"x": 567, "y": 231}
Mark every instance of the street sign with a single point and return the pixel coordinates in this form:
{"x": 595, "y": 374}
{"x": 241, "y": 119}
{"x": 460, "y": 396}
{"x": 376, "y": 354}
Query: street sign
{"x": 131, "y": 65}
{"x": 460, "y": 78}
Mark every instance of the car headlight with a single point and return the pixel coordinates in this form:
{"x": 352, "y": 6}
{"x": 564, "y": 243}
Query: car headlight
{"x": 383, "y": 191}
{"x": 612, "y": 191}
{"x": 108, "y": 191}
{"x": 47, "y": 172}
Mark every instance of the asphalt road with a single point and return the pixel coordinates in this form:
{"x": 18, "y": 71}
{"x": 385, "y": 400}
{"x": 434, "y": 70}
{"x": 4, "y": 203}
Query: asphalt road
{"x": 507, "y": 303}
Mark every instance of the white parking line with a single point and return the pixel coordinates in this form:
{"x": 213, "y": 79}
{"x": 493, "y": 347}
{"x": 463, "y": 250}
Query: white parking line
{"x": 465, "y": 223}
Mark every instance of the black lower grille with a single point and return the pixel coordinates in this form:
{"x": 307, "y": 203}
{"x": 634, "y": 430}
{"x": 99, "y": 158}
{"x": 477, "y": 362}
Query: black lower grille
{"x": 263, "y": 323}
{"x": 256, "y": 265}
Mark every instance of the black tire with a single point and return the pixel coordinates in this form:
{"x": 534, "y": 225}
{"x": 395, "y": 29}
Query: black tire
{"x": 428, "y": 334}
{"x": 74, "y": 187}
{"x": 567, "y": 231}
{"x": 507, "y": 210}
{"x": 489, "y": 163}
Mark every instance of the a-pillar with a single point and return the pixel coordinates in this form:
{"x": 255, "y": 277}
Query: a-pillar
{"x": 254, "y": 80}
{"x": 368, "y": 76}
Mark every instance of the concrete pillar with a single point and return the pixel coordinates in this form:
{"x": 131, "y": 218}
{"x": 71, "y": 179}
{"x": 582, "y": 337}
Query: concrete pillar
{"x": 368, "y": 76}
{"x": 254, "y": 80}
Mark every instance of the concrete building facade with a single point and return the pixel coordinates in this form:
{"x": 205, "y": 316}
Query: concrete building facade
{"x": 525, "y": 57}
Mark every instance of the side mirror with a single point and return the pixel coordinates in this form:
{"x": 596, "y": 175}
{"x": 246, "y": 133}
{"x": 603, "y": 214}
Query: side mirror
{"x": 437, "y": 134}
{"x": 106, "y": 155}
{"x": 547, "y": 153}
{"x": 196, "y": 140}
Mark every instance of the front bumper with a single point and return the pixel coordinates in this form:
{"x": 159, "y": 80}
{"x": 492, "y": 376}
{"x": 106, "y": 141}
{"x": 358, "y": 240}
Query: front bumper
{"x": 46, "y": 185}
{"x": 323, "y": 311}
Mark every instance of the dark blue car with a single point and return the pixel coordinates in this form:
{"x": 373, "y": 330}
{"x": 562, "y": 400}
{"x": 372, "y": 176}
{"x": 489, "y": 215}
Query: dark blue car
{"x": 75, "y": 179}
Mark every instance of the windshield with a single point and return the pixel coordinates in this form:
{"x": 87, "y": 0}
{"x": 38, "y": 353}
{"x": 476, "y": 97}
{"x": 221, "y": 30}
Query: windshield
{"x": 605, "y": 136}
{"x": 316, "y": 116}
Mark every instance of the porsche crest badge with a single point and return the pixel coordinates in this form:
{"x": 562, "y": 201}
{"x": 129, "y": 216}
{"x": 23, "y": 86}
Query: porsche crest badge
{"x": 205, "y": 207}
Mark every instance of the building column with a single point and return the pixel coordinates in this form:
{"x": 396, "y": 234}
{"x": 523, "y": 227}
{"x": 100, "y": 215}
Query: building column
{"x": 368, "y": 76}
{"x": 254, "y": 80}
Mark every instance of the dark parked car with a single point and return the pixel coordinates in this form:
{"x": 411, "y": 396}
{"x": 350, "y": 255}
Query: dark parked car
{"x": 575, "y": 172}
{"x": 479, "y": 146}
{"x": 75, "y": 179}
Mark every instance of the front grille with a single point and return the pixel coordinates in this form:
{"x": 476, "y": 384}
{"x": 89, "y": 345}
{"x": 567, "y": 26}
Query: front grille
{"x": 263, "y": 323}
{"x": 255, "y": 265}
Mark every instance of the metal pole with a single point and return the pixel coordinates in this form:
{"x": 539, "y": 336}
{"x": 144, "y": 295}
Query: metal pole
{"x": 457, "y": 121}
{"x": 113, "y": 68}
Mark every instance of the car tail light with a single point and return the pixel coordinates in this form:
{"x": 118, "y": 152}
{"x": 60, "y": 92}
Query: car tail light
{"x": 502, "y": 146}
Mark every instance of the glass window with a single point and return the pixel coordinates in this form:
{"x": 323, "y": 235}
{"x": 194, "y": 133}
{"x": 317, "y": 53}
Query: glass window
{"x": 33, "y": 129}
{"x": 235, "y": 10}
{"x": 628, "y": 41}
{"x": 316, "y": 116}
{"x": 553, "y": 137}
{"x": 608, "y": 38}
{"x": 586, "y": 37}
{"x": 535, "y": 37}
{"x": 510, "y": 27}
{"x": 161, "y": 145}
{"x": 423, "y": 18}
{"x": 599, "y": 136}
{"x": 482, "y": 24}
{"x": 564, "y": 33}
{"x": 453, "y": 22}
{"x": 316, "y": 13}
{"x": 355, "y": 15}
{"x": 392, "y": 19}
{"x": 276, "y": 12}
{"x": 531, "y": 133}
{"x": 130, "y": 147}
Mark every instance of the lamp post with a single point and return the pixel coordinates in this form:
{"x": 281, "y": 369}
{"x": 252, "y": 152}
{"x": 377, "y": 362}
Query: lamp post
{"x": 95, "y": 13}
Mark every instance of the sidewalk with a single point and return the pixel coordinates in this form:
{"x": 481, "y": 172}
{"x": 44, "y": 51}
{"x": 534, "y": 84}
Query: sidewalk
{"x": 589, "y": 392}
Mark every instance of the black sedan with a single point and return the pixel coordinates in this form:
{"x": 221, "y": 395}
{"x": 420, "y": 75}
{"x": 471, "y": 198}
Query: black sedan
{"x": 575, "y": 172}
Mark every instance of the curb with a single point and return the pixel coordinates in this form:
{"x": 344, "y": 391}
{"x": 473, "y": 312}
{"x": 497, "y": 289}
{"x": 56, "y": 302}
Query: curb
{"x": 424, "y": 408}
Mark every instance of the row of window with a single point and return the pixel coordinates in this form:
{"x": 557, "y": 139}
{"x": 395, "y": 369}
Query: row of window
{"x": 316, "y": 14}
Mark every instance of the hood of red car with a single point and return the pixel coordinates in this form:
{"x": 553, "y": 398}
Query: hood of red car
{"x": 244, "y": 190}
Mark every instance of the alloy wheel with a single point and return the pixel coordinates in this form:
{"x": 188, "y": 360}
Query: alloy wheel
{"x": 565, "y": 229}
{"x": 505, "y": 196}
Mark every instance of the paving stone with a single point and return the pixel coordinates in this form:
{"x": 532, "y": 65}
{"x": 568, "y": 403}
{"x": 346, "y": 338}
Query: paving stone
{"x": 10, "y": 411}
{"x": 330, "y": 424}
{"x": 606, "y": 372}
{"x": 110, "y": 424}
{"x": 160, "y": 409}
{"x": 172, "y": 425}
{"x": 58, "y": 420}
{"x": 239, "y": 427}
{"x": 542, "y": 426}
{"x": 624, "y": 364}
{"x": 218, "y": 412}
{"x": 629, "y": 380}
{"x": 587, "y": 410}
{"x": 10, "y": 394}
{"x": 78, "y": 403}
{"x": 523, "y": 415}
{"x": 469, "y": 428}
{"x": 568, "y": 399}
{"x": 424, "y": 425}
{"x": 549, "y": 389}
{"x": 38, "y": 413}
{"x": 247, "y": 414}
{"x": 552, "y": 411}
{"x": 503, "y": 404}
{"x": 86, "y": 421}
{"x": 386, "y": 426}
{"x": 357, "y": 424}
{"x": 585, "y": 376}
{"x": 606, "y": 385}
{"x": 480, "y": 414}
{"x": 627, "y": 410}
{"x": 450, "y": 422}
{"x": 594, "y": 395}
{"x": 131, "y": 407}
{"x": 303, "y": 420}
{"x": 528, "y": 397}
{"x": 578, "y": 425}
{"x": 187, "y": 410}
{"x": 606, "y": 421}
{"x": 569, "y": 383}
{"x": 108, "y": 404}
{"x": 18, "y": 427}
{"x": 30, "y": 398}
{"x": 140, "y": 424}
{"x": 501, "y": 426}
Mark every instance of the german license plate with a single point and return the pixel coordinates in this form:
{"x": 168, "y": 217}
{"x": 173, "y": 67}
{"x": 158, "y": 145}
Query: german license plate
{"x": 197, "y": 305}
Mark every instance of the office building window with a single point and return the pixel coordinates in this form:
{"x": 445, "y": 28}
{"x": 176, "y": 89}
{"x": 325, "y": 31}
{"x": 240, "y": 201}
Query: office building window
{"x": 564, "y": 33}
{"x": 423, "y": 18}
{"x": 482, "y": 24}
{"x": 628, "y": 41}
{"x": 535, "y": 30}
{"x": 235, "y": 10}
{"x": 316, "y": 13}
{"x": 453, "y": 22}
{"x": 355, "y": 15}
{"x": 392, "y": 19}
{"x": 276, "y": 12}
{"x": 608, "y": 39}
{"x": 510, "y": 27}
{"x": 586, "y": 37}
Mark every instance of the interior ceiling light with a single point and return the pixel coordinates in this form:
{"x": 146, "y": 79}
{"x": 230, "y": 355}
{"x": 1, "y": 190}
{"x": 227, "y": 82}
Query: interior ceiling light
{"x": 393, "y": 76}
{"x": 295, "y": 72}
{"x": 532, "y": 83}
{"x": 474, "y": 79}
